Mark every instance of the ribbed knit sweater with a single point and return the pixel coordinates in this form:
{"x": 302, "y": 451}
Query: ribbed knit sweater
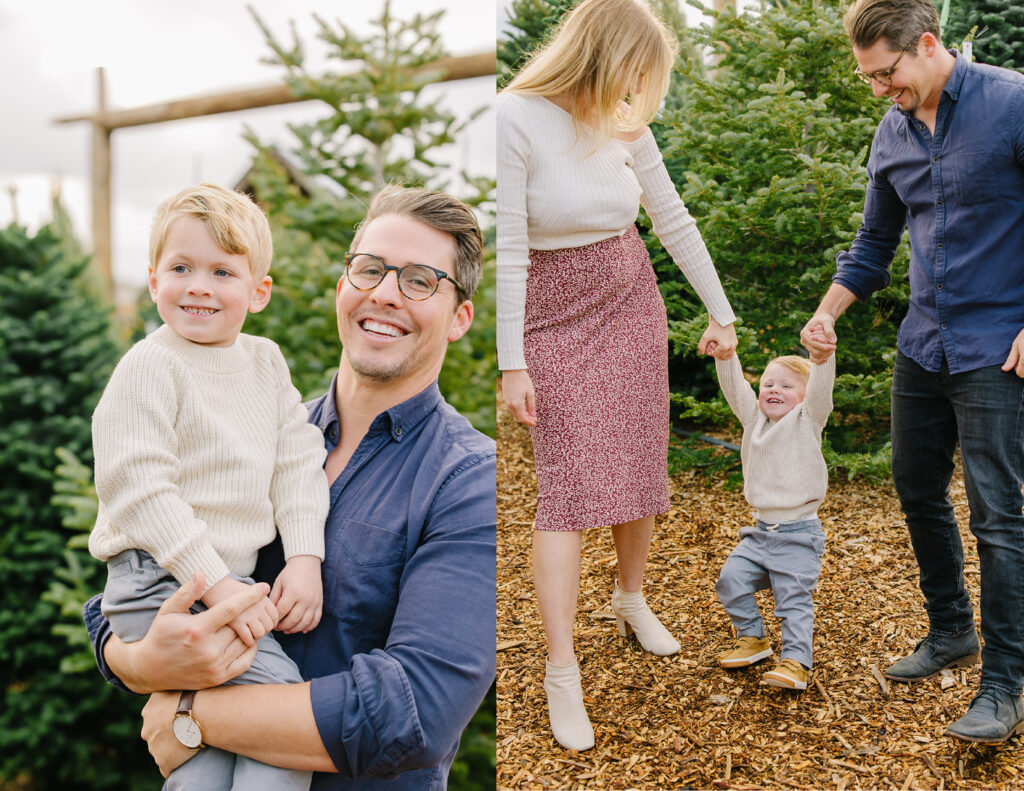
{"x": 557, "y": 190}
{"x": 200, "y": 452}
{"x": 784, "y": 473}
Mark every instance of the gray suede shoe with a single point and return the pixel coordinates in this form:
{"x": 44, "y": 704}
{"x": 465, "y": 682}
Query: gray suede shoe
{"x": 992, "y": 718}
{"x": 934, "y": 654}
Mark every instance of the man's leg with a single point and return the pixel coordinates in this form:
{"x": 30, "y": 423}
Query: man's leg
{"x": 924, "y": 439}
{"x": 989, "y": 405}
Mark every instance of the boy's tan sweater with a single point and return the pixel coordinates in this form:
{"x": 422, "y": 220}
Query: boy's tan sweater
{"x": 784, "y": 473}
{"x": 204, "y": 454}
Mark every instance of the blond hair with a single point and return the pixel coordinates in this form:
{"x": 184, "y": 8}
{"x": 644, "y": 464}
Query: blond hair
{"x": 237, "y": 225}
{"x": 602, "y": 50}
{"x": 801, "y": 366}
{"x": 900, "y": 22}
{"x": 444, "y": 213}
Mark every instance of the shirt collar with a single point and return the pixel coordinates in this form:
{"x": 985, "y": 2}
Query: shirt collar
{"x": 956, "y": 80}
{"x": 398, "y": 421}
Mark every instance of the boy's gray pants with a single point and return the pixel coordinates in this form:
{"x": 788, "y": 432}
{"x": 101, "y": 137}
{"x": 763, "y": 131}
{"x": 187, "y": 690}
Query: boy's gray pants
{"x": 787, "y": 559}
{"x": 136, "y": 587}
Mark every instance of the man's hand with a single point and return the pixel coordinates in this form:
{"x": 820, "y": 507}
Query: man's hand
{"x": 186, "y": 651}
{"x": 250, "y": 625}
{"x": 1015, "y": 359}
{"x": 165, "y": 748}
{"x": 517, "y": 392}
{"x": 719, "y": 341}
{"x": 298, "y": 594}
{"x": 819, "y": 337}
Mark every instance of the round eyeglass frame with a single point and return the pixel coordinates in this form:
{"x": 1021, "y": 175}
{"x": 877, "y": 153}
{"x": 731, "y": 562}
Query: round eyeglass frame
{"x": 399, "y": 270}
{"x": 884, "y": 76}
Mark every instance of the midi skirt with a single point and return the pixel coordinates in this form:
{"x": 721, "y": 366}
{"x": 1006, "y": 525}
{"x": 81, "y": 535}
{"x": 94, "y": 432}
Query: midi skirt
{"x": 596, "y": 343}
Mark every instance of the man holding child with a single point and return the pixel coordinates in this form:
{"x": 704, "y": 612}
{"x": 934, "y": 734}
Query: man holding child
{"x": 404, "y": 652}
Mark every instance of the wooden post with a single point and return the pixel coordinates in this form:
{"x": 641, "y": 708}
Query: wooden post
{"x": 101, "y": 225}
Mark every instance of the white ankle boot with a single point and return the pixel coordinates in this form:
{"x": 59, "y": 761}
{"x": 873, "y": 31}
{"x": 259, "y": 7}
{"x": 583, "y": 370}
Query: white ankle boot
{"x": 633, "y": 615}
{"x": 569, "y": 722}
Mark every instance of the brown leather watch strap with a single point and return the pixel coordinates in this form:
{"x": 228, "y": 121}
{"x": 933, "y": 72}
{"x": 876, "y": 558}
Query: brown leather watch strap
{"x": 185, "y": 702}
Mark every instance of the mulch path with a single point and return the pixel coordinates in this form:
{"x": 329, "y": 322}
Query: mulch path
{"x": 683, "y": 722}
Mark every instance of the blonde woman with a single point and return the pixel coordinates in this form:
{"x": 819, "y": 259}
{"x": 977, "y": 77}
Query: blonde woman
{"x": 582, "y": 340}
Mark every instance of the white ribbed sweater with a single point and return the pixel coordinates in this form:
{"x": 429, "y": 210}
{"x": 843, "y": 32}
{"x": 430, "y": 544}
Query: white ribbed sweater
{"x": 200, "y": 451}
{"x": 555, "y": 190}
{"x": 784, "y": 473}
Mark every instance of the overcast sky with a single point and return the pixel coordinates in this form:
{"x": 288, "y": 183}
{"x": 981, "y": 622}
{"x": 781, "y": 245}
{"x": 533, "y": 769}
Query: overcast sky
{"x": 155, "y": 51}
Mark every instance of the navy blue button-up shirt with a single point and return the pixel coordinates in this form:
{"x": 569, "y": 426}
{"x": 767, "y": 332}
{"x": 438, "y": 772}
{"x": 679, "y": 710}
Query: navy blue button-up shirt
{"x": 961, "y": 193}
{"x": 404, "y": 652}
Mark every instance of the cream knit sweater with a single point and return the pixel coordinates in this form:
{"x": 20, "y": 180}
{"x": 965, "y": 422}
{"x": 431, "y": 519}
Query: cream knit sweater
{"x": 784, "y": 473}
{"x": 555, "y": 190}
{"x": 200, "y": 451}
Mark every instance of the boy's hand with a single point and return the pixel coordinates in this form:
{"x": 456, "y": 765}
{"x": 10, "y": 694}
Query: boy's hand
{"x": 254, "y": 622}
{"x": 298, "y": 594}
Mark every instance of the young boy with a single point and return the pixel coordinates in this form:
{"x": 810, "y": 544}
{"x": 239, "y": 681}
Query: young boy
{"x": 785, "y": 479}
{"x": 203, "y": 453}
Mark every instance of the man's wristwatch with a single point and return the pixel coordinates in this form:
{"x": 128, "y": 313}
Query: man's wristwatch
{"x": 185, "y": 726}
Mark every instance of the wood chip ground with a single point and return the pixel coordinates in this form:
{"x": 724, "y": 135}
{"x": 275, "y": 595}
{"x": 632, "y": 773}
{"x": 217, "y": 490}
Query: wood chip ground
{"x": 682, "y": 722}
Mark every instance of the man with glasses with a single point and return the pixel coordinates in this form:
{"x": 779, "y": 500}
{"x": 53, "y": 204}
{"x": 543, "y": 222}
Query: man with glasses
{"x": 947, "y": 161}
{"x": 405, "y": 651}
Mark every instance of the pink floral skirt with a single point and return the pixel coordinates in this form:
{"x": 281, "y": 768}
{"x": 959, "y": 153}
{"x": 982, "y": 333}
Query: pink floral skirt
{"x": 596, "y": 341}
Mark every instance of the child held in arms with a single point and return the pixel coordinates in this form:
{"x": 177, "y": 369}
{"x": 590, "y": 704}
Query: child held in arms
{"x": 784, "y": 480}
{"x": 204, "y": 454}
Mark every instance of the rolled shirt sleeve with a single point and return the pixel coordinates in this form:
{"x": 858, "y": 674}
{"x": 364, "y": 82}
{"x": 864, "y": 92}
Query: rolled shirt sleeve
{"x": 404, "y": 707}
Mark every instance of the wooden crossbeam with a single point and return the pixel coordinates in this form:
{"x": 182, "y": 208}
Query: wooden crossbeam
{"x": 104, "y": 121}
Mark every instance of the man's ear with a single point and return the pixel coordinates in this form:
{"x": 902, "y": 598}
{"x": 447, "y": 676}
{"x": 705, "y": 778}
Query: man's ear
{"x": 461, "y": 321}
{"x": 260, "y": 295}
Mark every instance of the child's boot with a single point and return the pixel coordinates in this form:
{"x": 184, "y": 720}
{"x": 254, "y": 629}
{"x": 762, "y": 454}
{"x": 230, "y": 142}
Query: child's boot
{"x": 747, "y": 651}
{"x": 788, "y": 674}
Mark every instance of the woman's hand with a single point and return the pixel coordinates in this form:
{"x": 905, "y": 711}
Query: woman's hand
{"x": 517, "y": 392}
{"x": 719, "y": 341}
{"x": 157, "y": 716}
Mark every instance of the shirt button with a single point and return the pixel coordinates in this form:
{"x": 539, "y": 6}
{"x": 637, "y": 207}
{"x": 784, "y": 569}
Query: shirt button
{"x": 943, "y": 326}
{"x": 398, "y": 431}
{"x": 940, "y": 245}
{"x": 939, "y": 286}
{"x": 939, "y": 202}
{"x": 935, "y": 159}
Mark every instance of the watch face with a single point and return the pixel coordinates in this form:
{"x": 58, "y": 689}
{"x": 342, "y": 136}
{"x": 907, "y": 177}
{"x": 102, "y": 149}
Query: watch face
{"x": 187, "y": 730}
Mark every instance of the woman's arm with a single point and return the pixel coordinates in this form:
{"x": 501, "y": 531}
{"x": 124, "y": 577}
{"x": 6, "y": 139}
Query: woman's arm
{"x": 513, "y": 241}
{"x": 676, "y": 229}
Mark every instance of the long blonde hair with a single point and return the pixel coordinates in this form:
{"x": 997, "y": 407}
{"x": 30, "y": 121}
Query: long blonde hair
{"x": 601, "y": 50}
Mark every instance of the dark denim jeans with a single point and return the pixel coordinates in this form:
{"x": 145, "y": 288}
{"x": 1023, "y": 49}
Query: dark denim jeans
{"x": 983, "y": 412}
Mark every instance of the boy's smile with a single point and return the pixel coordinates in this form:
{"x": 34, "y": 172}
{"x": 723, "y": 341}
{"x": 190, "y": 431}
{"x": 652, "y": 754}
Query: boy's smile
{"x": 200, "y": 291}
{"x": 781, "y": 390}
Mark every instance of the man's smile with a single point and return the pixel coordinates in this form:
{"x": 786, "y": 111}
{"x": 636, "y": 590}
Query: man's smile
{"x": 377, "y": 327}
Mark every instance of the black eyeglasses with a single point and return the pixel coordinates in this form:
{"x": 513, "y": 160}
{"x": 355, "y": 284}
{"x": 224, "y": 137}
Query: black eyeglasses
{"x": 366, "y": 271}
{"x": 884, "y": 77}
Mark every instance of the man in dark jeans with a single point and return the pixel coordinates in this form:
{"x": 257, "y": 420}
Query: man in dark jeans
{"x": 404, "y": 653}
{"x": 947, "y": 160}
